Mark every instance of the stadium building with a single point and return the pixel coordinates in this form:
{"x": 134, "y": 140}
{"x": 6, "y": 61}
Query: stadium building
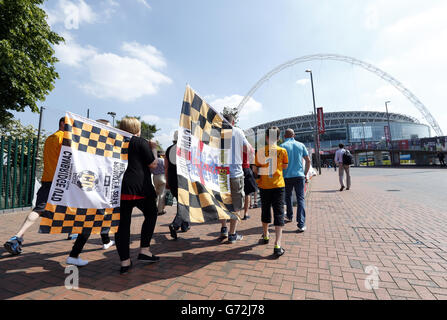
{"x": 360, "y": 130}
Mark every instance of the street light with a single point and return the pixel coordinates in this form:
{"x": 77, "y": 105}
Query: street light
{"x": 317, "y": 149}
{"x": 112, "y": 114}
{"x": 389, "y": 132}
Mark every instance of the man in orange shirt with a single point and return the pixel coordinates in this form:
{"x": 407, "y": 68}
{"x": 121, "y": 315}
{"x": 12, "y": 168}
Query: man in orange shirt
{"x": 51, "y": 152}
{"x": 270, "y": 162}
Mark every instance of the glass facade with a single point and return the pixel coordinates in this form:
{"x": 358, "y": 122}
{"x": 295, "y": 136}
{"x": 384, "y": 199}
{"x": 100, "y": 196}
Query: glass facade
{"x": 353, "y": 128}
{"x": 375, "y": 131}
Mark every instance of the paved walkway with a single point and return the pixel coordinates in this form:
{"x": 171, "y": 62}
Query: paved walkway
{"x": 364, "y": 228}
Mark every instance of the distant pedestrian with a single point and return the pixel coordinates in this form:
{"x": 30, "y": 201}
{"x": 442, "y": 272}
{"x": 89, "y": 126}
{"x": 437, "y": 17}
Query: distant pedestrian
{"x": 270, "y": 161}
{"x": 160, "y": 183}
{"x": 342, "y": 167}
{"x": 295, "y": 177}
{"x": 441, "y": 158}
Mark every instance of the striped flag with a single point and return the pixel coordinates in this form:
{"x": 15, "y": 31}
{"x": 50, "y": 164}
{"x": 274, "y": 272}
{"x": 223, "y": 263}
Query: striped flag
{"x": 86, "y": 189}
{"x": 203, "y": 171}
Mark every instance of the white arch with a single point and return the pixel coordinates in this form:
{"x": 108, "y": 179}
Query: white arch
{"x": 407, "y": 93}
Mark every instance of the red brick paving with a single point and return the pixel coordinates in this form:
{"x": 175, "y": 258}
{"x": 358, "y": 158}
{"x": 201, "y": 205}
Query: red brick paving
{"x": 347, "y": 231}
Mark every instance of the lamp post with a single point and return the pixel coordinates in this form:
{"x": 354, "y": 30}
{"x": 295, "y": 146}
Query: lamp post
{"x": 389, "y": 132}
{"x": 112, "y": 114}
{"x": 364, "y": 141}
{"x": 316, "y": 138}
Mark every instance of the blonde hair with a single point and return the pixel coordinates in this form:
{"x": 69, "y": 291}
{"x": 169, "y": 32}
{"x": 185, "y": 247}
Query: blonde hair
{"x": 131, "y": 125}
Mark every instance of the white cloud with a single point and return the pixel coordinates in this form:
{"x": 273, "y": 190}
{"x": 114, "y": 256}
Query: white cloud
{"x": 152, "y": 119}
{"x": 123, "y": 78}
{"x": 416, "y": 47}
{"x": 144, "y": 3}
{"x": 165, "y": 138}
{"x": 71, "y": 14}
{"x": 126, "y": 78}
{"x": 387, "y": 92}
{"x": 233, "y": 101}
{"x": 372, "y": 18}
{"x": 146, "y": 53}
{"x": 109, "y": 7}
{"x": 303, "y": 82}
{"x": 167, "y": 128}
{"x": 71, "y": 53}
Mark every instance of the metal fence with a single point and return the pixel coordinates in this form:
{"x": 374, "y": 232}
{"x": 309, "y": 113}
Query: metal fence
{"x": 17, "y": 172}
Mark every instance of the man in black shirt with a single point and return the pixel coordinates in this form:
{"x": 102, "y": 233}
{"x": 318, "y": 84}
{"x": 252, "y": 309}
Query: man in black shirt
{"x": 172, "y": 184}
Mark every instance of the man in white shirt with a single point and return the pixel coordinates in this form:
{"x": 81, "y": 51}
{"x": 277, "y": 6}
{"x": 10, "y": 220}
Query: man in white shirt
{"x": 238, "y": 143}
{"x": 342, "y": 167}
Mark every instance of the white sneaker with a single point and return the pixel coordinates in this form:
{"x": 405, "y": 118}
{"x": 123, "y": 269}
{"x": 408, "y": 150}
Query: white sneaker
{"x": 77, "y": 261}
{"x": 301, "y": 229}
{"x": 108, "y": 245}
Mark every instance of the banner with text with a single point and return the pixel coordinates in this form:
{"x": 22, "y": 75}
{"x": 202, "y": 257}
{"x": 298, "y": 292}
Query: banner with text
{"x": 86, "y": 189}
{"x": 203, "y": 158}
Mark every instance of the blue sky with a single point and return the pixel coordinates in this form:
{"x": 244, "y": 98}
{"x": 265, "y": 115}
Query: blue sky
{"x": 134, "y": 57}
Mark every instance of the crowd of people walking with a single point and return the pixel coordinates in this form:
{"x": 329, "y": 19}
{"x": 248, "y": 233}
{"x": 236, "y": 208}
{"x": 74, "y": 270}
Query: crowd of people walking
{"x": 150, "y": 175}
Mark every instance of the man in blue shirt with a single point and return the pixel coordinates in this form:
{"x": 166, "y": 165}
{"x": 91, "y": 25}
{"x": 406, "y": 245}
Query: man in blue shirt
{"x": 295, "y": 177}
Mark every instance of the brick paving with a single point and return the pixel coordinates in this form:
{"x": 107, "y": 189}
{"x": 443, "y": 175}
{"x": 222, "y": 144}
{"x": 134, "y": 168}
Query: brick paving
{"x": 347, "y": 232}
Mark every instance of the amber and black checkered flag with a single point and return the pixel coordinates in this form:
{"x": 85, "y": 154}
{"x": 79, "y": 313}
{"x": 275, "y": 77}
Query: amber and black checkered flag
{"x": 86, "y": 188}
{"x": 202, "y": 162}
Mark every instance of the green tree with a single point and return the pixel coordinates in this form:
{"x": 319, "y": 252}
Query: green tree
{"x": 232, "y": 111}
{"x": 147, "y": 130}
{"x": 27, "y": 71}
{"x": 14, "y": 129}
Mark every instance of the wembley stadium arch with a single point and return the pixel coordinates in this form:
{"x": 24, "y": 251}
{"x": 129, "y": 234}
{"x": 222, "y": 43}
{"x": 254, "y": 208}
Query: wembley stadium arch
{"x": 367, "y": 66}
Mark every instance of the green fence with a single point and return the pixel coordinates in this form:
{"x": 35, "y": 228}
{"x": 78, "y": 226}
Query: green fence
{"x": 17, "y": 172}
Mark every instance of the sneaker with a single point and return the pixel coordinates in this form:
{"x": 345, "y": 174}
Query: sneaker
{"x": 246, "y": 217}
{"x": 173, "y": 231}
{"x": 77, "y": 261}
{"x": 161, "y": 213}
{"x": 300, "y": 230}
{"x": 278, "y": 251}
{"x": 347, "y": 188}
{"x": 265, "y": 239}
{"x": 232, "y": 238}
{"x": 185, "y": 229}
{"x": 146, "y": 258}
{"x": 224, "y": 232}
{"x": 341, "y": 189}
{"x": 108, "y": 245}
{"x": 14, "y": 245}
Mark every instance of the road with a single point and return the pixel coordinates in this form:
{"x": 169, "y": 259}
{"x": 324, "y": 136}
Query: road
{"x": 426, "y": 186}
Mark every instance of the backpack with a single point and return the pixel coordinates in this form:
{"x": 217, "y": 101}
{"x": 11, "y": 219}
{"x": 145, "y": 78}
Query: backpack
{"x": 348, "y": 159}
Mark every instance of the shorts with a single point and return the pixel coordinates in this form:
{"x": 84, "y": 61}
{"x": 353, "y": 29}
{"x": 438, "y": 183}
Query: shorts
{"x": 249, "y": 181}
{"x": 42, "y": 197}
{"x": 272, "y": 198}
{"x": 237, "y": 193}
